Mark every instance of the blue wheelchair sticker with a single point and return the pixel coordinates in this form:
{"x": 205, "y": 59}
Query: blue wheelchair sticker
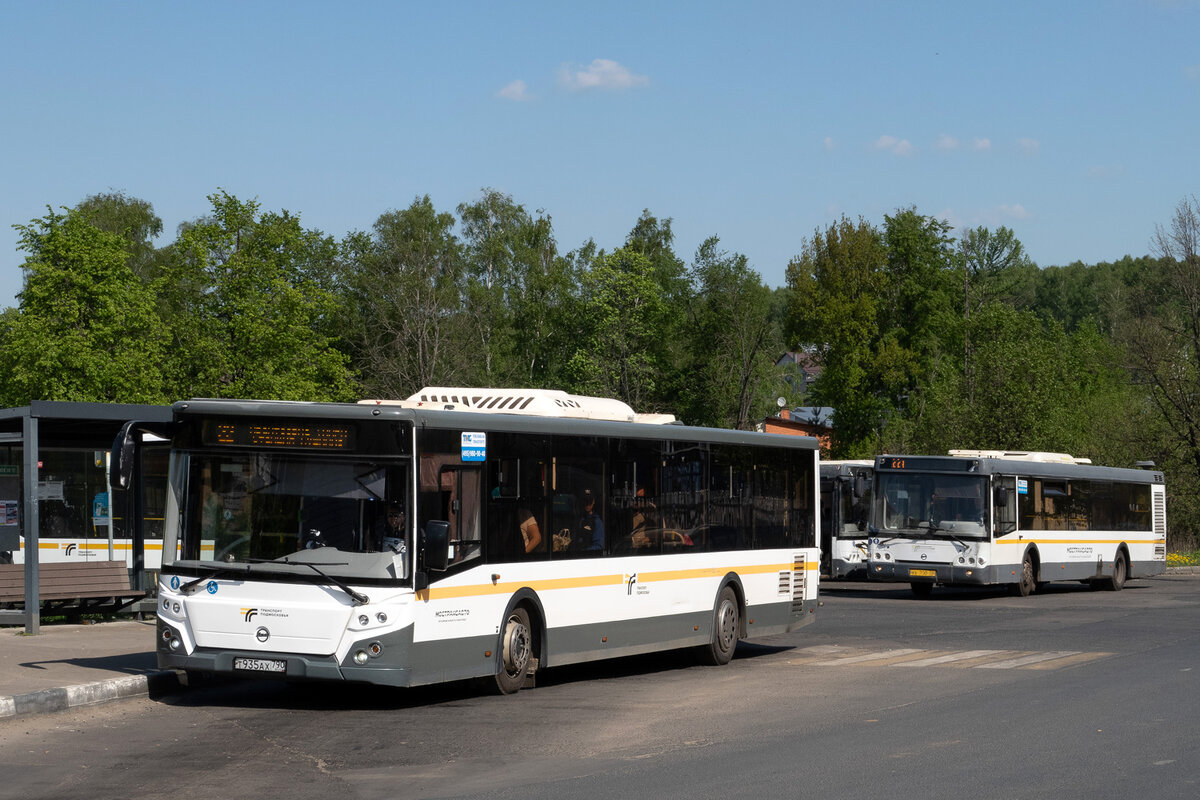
{"x": 211, "y": 586}
{"x": 174, "y": 581}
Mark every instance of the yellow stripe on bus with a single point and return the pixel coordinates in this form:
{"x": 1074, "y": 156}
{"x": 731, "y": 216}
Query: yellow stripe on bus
{"x": 1081, "y": 541}
{"x": 589, "y": 581}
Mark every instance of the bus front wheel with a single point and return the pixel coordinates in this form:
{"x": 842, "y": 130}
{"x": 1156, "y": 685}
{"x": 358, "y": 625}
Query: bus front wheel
{"x": 726, "y": 622}
{"x": 516, "y": 649}
{"x": 1027, "y": 582}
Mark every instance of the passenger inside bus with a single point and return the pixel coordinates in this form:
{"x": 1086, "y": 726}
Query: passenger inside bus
{"x": 591, "y": 527}
{"x": 531, "y": 535}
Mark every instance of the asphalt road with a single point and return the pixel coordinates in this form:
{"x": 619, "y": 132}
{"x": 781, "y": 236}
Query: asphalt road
{"x": 1067, "y": 693}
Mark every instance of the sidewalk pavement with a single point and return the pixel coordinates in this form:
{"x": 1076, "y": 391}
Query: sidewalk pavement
{"x": 65, "y": 666}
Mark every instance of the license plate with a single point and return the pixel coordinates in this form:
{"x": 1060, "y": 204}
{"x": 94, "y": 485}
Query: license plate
{"x": 260, "y": 664}
{"x": 922, "y": 573}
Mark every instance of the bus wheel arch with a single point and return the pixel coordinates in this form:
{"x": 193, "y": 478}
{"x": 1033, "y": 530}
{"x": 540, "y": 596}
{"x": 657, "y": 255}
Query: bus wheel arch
{"x": 728, "y": 623}
{"x": 1027, "y": 576}
{"x": 521, "y": 641}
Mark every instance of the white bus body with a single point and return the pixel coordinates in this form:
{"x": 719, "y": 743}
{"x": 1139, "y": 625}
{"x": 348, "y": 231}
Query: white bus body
{"x": 704, "y": 537}
{"x": 845, "y": 504}
{"x": 981, "y": 517}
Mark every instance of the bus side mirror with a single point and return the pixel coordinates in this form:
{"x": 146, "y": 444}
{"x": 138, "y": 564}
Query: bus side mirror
{"x": 120, "y": 468}
{"x": 1002, "y": 496}
{"x": 437, "y": 544}
{"x": 860, "y": 488}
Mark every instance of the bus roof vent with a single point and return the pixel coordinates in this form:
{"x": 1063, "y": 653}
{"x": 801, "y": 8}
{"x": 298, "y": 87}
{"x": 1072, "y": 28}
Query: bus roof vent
{"x": 1022, "y": 455}
{"x": 530, "y": 402}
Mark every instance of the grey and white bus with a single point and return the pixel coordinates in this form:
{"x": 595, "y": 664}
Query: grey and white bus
{"x": 845, "y": 506}
{"x": 470, "y": 533}
{"x": 984, "y": 517}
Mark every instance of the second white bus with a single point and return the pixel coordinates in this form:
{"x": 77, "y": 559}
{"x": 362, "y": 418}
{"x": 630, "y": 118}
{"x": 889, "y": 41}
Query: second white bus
{"x": 1021, "y": 519}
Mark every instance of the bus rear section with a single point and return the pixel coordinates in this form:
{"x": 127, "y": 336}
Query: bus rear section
{"x": 1018, "y": 519}
{"x": 526, "y": 541}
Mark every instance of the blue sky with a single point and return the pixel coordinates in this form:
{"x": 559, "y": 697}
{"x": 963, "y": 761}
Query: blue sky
{"x": 1074, "y": 124}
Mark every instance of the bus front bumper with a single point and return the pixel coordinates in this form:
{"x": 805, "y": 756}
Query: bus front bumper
{"x": 923, "y": 572}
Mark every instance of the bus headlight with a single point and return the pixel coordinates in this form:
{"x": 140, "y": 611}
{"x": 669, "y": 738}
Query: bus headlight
{"x": 361, "y": 657}
{"x": 364, "y": 620}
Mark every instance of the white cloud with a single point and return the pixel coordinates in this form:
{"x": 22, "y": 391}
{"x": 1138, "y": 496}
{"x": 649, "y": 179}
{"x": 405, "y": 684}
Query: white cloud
{"x": 946, "y": 142}
{"x": 1029, "y": 146}
{"x": 900, "y": 147}
{"x": 828, "y": 143}
{"x": 602, "y": 73}
{"x": 515, "y": 91}
{"x": 981, "y": 144}
{"x": 1015, "y": 211}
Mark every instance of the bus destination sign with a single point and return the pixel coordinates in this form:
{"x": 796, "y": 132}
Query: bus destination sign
{"x": 299, "y": 435}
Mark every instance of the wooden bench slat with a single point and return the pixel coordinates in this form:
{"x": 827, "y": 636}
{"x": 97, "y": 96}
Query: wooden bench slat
{"x": 73, "y": 587}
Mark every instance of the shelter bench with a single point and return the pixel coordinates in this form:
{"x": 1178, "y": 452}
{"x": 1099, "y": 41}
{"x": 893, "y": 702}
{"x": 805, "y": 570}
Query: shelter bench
{"x": 71, "y": 589}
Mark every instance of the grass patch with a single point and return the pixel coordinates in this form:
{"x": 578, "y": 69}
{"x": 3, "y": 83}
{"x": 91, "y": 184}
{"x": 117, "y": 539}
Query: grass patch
{"x": 1191, "y": 559}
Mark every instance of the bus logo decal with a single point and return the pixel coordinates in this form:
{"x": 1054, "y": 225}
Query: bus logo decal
{"x": 249, "y": 613}
{"x": 630, "y": 580}
{"x": 70, "y": 548}
{"x": 262, "y": 634}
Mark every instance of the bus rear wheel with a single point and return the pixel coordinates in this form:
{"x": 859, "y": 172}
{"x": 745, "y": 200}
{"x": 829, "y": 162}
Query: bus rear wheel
{"x": 726, "y": 623}
{"x": 1120, "y": 572}
{"x": 516, "y": 649}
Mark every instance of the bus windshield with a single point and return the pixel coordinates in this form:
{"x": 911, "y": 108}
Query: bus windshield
{"x": 266, "y": 506}
{"x": 917, "y": 505}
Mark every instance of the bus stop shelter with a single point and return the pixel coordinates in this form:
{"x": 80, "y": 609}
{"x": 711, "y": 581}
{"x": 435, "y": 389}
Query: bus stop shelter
{"x": 53, "y": 484}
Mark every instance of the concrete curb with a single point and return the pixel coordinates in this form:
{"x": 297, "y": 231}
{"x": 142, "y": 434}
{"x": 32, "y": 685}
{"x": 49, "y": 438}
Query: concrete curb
{"x": 90, "y": 694}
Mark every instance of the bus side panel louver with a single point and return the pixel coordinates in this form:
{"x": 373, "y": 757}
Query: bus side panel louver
{"x": 1160, "y": 524}
{"x": 799, "y": 583}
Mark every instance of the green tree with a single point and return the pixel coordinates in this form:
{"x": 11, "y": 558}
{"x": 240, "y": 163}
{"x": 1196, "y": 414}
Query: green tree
{"x": 1038, "y": 388}
{"x": 134, "y": 221}
{"x": 621, "y": 318}
{"x": 514, "y": 285}
{"x": 85, "y": 328}
{"x": 838, "y": 286}
{"x": 734, "y": 341}
{"x": 403, "y": 285}
{"x": 251, "y": 306}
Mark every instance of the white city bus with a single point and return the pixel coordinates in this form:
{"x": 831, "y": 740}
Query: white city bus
{"x": 540, "y": 529}
{"x": 845, "y": 505}
{"x": 985, "y": 517}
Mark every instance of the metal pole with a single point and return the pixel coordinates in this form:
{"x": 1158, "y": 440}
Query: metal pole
{"x": 33, "y": 607}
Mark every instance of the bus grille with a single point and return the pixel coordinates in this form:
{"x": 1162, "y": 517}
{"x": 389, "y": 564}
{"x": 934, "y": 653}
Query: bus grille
{"x": 799, "y": 583}
{"x": 1160, "y": 514}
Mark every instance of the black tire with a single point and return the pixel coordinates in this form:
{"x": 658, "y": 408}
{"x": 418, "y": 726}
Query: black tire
{"x": 1116, "y": 581}
{"x": 725, "y": 629}
{"x": 1027, "y": 581}
{"x": 921, "y": 589}
{"x": 516, "y": 650}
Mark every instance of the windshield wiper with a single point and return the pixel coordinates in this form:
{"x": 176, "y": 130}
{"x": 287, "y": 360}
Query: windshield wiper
{"x": 934, "y": 530}
{"x": 213, "y": 572}
{"x": 359, "y": 598}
